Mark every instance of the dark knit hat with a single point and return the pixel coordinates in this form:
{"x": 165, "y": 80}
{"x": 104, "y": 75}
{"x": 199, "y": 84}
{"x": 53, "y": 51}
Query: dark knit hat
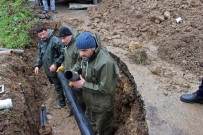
{"x": 85, "y": 40}
{"x": 64, "y": 31}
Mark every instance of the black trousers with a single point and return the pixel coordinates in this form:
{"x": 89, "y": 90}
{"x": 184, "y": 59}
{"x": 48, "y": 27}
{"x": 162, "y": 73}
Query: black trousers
{"x": 58, "y": 89}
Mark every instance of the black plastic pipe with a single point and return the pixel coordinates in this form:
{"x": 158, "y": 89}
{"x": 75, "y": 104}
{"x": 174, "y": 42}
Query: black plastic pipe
{"x": 43, "y": 118}
{"x": 82, "y": 121}
{"x": 44, "y": 115}
{"x": 71, "y": 76}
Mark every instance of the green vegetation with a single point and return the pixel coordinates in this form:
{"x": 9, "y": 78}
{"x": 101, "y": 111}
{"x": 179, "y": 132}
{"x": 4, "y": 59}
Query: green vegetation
{"x": 15, "y": 20}
{"x": 10, "y": 113}
{"x": 139, "y": 57}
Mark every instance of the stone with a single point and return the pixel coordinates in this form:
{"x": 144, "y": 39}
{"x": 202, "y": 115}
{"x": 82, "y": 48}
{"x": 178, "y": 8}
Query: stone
{"x": 134, "y": 45}
{"x": 167, "y": 15}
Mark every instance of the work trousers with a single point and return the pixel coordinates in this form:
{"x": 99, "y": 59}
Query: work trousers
{"x": 52, "y": 5}
{"x": 102, "y": 122}
{"x": 59, "y": 90}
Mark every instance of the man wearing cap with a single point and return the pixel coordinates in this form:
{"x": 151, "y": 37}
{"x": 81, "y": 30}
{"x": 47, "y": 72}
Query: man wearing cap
{"x": 70, "y": 51}
{"x": 98, "y": 81}
{"x": 50, "y": 57}
{"x": 70, "y": 56}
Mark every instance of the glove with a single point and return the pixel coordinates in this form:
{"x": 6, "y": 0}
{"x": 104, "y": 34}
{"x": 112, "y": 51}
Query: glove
{"x": 60, "y": 69}
{"x": 70, "y": 84}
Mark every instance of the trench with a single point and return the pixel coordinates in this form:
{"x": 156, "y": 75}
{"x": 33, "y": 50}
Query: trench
{"x": 129, "y": 107}
{"x": 164, "y": 114}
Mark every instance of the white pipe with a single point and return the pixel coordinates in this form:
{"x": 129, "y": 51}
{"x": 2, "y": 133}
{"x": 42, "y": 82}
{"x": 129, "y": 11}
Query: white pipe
{"x": 6, "y": 104}
{"x": 2, "y": 88}
{"x": 75, "y": 6}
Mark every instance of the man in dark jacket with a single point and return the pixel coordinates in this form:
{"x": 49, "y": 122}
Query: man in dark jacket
{"x": 50, "y": 57}
{"x": 196, "y": 97}
{"x": 98, "y": 81}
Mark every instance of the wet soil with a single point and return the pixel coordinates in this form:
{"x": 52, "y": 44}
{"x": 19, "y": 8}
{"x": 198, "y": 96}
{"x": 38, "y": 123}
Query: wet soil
{"x": 15, "y": 70}
{"x": 19, "y": 69}
{"x": 162, "y": 61}
{"x": 163, "y": 56}
{"x": 39, "y": 92}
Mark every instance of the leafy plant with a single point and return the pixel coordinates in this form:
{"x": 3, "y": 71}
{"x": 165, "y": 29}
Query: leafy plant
{"x": 139, "y": 57}
{"x": 15, "y": 21}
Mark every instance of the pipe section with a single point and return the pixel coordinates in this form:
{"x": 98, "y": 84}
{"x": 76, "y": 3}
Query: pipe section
{"x": 82, "y": 121}
{"x": 43, "y": 118}
{"x": 6, "y": 104}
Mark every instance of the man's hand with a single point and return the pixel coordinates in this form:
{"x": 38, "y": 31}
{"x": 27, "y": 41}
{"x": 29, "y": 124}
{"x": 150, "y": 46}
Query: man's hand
{"x": 52, "y": 68}
{"x": 36, "y": 70}
{"x": 78, "y": 84}
{"x": 60, "y": 69}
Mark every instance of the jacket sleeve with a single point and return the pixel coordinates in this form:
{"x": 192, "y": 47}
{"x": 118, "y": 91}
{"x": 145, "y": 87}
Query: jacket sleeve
{"x": 77, "y": 66}
{"x": 39, "y": 57}
{"x": 63, "y": 49}
{"x": 106, "y": 78}
{"x": 59, "y": 48}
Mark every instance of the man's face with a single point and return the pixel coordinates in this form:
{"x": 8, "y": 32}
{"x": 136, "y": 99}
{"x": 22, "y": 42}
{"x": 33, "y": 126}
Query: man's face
{"x": 66, "y": 40}
{"x": 43, "y": 35}
{"x": 86, "y": 53}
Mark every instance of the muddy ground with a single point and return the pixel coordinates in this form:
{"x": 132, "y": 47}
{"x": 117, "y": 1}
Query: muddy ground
{"x": 163, "y": 58}
{"x": 19, "y": 69}
{"x": 39, "y": 92}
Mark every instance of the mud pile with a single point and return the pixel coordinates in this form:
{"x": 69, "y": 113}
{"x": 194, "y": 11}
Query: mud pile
{"x": 122, "y": 21}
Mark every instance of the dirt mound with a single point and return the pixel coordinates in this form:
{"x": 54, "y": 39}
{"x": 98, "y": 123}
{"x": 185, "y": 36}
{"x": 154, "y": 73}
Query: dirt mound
{"x": 120, "y": 22}
{"x": 185, "y": 51}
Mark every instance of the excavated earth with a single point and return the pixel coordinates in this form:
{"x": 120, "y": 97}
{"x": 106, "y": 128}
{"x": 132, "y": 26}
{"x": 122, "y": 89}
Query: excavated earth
{"x": 159, "y": 60}
{"x": 19, "y": 69}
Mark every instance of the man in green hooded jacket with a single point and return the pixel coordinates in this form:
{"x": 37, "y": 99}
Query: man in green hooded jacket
{"x": 70, "y": 51}
{"x": 71, "y": 55}
{"x": 98, "y": 81}
{"x": 50, "y": 57}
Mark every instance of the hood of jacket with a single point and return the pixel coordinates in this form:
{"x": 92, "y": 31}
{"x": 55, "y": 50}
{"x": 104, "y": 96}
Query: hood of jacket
{"x": 99, "y": 46}
{"x": 50, "y": 33}
{"x": 75, "y": 34}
